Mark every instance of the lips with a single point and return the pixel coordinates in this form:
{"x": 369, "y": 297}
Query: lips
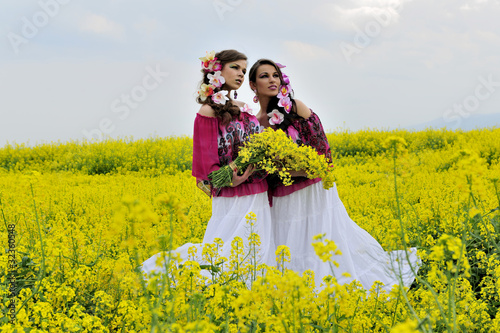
{"x": 238, "y": 81}
{"x": 273, "y": 87}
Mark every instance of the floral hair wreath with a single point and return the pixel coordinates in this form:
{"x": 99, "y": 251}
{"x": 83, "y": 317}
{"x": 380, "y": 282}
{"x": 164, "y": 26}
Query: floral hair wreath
{"x": 276, "y": 117}
{"x": 210, "y": 64}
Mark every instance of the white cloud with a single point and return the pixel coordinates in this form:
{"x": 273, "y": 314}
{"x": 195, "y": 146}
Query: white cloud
{"x": 476, "y": 5}
{"x": 345, "y": 17}
{"x": 103, "y": 26}
{"x": 305, "y": 51}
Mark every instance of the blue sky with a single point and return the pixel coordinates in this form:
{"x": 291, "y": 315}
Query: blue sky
{"x": 74, "y": 69}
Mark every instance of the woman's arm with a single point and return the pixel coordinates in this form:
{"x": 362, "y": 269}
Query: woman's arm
{"x": 205, "y": 152}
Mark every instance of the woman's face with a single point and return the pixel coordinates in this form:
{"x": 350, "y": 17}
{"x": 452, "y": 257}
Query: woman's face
{"x": 234, "y": 74}
{"x": 267, "y": 81}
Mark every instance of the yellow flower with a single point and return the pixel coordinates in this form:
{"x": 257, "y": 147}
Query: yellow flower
{"x": 409, "y": 326}
{"x": 473, "y": 212}
{"x": 282, "y": 254}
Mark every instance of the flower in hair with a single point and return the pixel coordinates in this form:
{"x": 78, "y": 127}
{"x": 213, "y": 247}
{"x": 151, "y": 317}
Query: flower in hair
{"x": 275, "y": 117}
{"x": 214, "y": 65}
{"x": 284, "y": 90}
{"x": 286, "y": 79}
{"x": 205, "y": 91}
{"x": 209, "y": 63}
{"x": 209, "y": 57}
{"x": 220, "y": 97}
{"x": 216, "y": 79}
{"x": 285, "y": 103}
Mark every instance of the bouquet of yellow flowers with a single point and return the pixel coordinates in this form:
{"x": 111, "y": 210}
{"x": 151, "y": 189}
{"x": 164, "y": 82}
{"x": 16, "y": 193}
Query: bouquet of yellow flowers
{"x": 276, "y": 153}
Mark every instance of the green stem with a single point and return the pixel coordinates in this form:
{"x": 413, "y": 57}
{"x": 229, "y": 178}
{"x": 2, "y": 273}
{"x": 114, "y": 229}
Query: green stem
{"x": 403, "y": 292}
{"x": 42, "y": 270}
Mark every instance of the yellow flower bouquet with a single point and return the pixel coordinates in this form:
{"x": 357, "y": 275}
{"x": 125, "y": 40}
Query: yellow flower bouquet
{"x": 276, "y": 153}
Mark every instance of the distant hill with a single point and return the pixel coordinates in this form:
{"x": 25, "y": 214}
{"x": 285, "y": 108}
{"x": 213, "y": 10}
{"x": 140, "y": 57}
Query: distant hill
{"x": 472, "y": 122}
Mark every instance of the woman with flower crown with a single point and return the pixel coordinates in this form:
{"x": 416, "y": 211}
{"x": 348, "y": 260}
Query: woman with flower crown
{"x": 221, "y": 127}
{"x": 305, "y": 209}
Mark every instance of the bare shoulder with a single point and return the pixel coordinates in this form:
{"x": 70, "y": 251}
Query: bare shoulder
{"x": 302, "y": 109}
{"x": 207, "y": 111}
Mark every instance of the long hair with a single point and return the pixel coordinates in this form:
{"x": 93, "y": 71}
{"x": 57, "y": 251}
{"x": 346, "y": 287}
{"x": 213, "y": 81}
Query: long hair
{"x": 273, "y": 102}
{"x": 227, "y": 111}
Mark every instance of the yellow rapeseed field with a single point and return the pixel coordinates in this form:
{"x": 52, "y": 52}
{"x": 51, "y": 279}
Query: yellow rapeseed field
{"x": 78, "y": 218}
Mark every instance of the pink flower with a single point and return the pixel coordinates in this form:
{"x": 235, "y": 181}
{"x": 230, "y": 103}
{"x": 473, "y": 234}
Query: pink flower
{"x": 286, "y": 103}
{"x": 220, "y": 97}
{"x": 278, "y": 64}
{"x": 246, "y": 108}
{"x": 216, "y": 79}
{"x": 283, "y": 92}
{"x": 217, "y": 66}
{"x": 211, "y": 65}
{"x": 286, "y": 79}
{"x": 275, "y": 117}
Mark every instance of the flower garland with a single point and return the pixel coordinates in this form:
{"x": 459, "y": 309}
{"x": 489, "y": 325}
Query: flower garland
{"x": 276, "y": 117}
{"x": 210, "y": 64}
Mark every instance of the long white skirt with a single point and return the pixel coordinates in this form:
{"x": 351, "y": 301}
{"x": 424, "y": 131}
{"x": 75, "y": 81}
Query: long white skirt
{"x": 227, "y": 222}
{"x": 313, "y": 210}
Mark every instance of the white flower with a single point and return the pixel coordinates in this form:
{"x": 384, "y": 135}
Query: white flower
{"x": 220, "y": 97}
{"x": 216, "y": 79}
{"x": 275, "y": 117}
{"x": 246, "y": 108}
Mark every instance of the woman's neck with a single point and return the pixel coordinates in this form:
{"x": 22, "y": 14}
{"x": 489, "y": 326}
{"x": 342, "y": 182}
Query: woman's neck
{"x": 262, "y": 114}
{"x": 263, "y": 102}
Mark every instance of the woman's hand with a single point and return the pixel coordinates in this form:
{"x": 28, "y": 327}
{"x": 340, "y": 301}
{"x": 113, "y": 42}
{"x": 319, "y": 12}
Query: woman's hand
{"x": 237, "y": 180}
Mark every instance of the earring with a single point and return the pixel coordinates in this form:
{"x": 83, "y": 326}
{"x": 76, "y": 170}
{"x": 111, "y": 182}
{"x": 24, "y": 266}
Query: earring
{"x": 255, "y": 98}
{"x": 235, "y": 94}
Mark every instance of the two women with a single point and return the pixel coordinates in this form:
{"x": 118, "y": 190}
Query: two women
{"x": 299, "y": 211}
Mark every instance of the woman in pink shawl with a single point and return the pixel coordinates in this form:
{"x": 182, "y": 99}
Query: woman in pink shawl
{"x": 305, "y": 209}
{"x": 221, "y": 127}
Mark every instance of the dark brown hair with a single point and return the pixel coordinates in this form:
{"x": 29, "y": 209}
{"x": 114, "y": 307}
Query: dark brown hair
{"x": 273, "y": 102}
{"x": 227, "y": 111}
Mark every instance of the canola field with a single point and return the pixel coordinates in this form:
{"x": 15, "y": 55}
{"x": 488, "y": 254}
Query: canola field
{"x": 77, "y": 219}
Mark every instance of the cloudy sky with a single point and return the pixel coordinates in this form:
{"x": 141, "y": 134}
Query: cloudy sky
{"x": 74, "y": 69}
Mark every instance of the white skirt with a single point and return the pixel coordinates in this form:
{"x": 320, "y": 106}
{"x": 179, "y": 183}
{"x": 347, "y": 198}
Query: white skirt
{"x": 313, "y": 210}
{"x": 227, "y": 222}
